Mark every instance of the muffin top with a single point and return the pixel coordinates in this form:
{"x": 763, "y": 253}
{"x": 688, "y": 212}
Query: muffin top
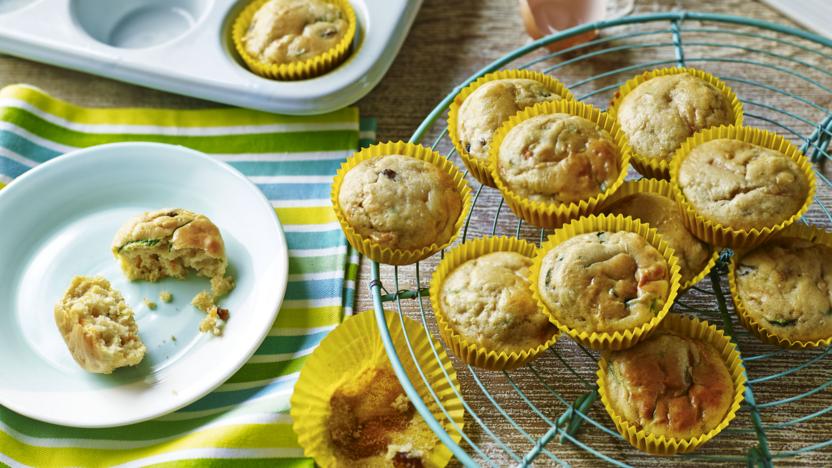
{"x": 670, "y": 385}
{"x": 487, "y": 300}
{"x": 558, "y": 158}
{"x": 786, "y": 285}
{"x": 665, "y": 216}
{"x": 400, "y": 202}
{"x": 742, "y": 185}
{"x": 604, "y": 281}
{"x": 286, "y": 31}
{"x": 174, "y": 228}
{"x": 491, "y": 104}
{"x": 661, "y": 113}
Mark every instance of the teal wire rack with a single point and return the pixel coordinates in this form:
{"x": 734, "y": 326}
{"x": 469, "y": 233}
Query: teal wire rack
{"x": 548, "y": 412}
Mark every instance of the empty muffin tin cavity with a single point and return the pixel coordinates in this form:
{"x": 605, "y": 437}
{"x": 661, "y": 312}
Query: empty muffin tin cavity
{"x": 135, "y": 24}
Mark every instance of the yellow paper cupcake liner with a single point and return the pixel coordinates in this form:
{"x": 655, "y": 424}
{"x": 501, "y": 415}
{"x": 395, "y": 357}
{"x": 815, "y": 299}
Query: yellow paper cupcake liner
{"x": 659, "y": 168}
{"x": 718, "y": 234}
{"x": 310, "y": 68}
{"x": 372, "y": 249}
{"x": 472, "y": 353}
{"x": 553, "y": 215}
{"x": 661, "y": 445}
{"x": 616, "y": 340}
{"x": 798, "y": 230}
{"x": 355, "y": 346}
{"x": 663, "y": 188}
{"x": 481, "y": 168}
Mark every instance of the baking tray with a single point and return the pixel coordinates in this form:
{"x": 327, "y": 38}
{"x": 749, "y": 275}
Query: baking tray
{"x": 184, "y": 47}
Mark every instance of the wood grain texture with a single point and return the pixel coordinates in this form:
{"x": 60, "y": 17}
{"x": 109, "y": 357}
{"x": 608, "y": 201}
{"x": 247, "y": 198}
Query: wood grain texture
{"x": 449, "y": 41}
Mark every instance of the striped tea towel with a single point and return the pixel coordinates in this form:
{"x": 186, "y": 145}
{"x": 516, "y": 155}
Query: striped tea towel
{"x": 246, "y": 421}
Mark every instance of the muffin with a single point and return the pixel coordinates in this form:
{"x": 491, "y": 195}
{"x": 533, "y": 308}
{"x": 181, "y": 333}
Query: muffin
{"x": 487, "y": 301}
{"x": 557, "y": 158}
{"x": 785, "y": 286}
{"x": 670, "y": 385}
{"x": 294, "y": 39}
{"x": 485, "y": 109}
{"x": 662, "y": 213}
{"x": 741, "y": 185}
{"x": 98, "y": 326}
{"x": 400, "y": 202}
{"x": 166, "y": 243}
{"x": 662, "y": 112}
{"x": 287, "y": 31}
{"x": 604, "y": 281}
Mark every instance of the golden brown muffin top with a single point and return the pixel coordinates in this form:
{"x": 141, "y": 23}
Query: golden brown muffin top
{"x": 666, "y": 217}
{"x": 661, "y": 113}
{"x": 491, "y": 104}
{"x": 558, "y": 158}
{"x": 786, "y": 285}
{"x": 604, "y": 281}
{"x": 670, "y": 385}
{"x": 488, "y": 301}
{"x": 742, "y": 185}
{"x": 286, "y": 31}
{"x": 400, "y": 202}
{"x": 181, "y": 229}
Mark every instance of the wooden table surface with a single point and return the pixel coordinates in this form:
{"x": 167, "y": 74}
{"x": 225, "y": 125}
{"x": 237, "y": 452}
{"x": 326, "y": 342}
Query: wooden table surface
{"x": 449, "y": 41}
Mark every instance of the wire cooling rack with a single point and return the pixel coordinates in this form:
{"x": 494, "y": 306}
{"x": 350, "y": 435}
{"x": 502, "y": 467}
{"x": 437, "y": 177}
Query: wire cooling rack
{"x": 548, "y": 412}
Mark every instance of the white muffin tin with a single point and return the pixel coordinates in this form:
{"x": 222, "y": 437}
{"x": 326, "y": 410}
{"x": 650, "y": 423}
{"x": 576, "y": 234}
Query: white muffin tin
{"x": 184, "y": 46}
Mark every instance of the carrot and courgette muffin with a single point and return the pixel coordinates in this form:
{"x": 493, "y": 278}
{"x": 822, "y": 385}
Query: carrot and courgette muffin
{"x": 166, "y": 243}
{"x": 671, "y": 386}
{"x": 666, "y": 217}
{"x": 488, "y": 302}
{"x": 484, "y": 110}
{"x": 169, "y": 242}
{"x": 661, "y": 113}
{"x": 400, "y": 202}
{"x": 786, "y": 286}
{"x": 604, "y": 281}
{"x": 98, "y": 326}
{"x": 558, "y": 158}
{"x": 742, "y": 185}
{"x": 287, "y": 31}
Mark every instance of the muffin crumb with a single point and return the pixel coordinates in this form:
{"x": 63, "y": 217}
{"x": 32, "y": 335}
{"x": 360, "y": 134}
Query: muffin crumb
{"x": 166, "y": 296}
{"x": 149, "y": 304}
{"x": 214, "y": 321}
{"x": 203, "y": 301}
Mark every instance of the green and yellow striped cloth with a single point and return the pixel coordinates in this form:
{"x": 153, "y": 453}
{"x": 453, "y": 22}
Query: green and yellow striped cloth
{"x": 246, "y": 421}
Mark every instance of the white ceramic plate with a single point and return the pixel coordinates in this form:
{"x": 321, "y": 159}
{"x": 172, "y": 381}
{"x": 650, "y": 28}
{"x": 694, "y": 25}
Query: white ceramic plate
{"x": 58, "y": 220}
